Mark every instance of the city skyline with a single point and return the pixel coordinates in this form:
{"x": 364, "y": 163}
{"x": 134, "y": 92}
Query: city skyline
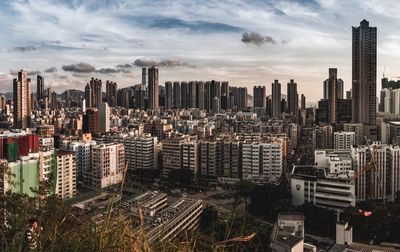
{"x": 253, "y": 45}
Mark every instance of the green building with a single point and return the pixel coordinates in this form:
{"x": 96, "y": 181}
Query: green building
{"x": 25, "y": 175}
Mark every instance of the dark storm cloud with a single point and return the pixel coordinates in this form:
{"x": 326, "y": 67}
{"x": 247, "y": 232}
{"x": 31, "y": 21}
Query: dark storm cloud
{"x": 51, "y": 70}
{"x": 79, "y": 68}
{"x": 256, "y": 38}
{"x": 162, "y": 63}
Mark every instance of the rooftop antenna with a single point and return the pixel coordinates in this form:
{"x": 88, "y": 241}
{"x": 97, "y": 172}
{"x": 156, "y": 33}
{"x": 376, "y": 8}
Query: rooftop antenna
{"x": 384, "y": 70}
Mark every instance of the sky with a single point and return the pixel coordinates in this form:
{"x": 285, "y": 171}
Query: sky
{"x": 247, "y": 43}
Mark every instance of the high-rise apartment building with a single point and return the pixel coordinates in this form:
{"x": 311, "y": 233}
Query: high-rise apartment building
{"x": 192, "y": 94}
{"x": 190, "y": 157}
{"x": 104, "y": 117}
{"x": 153, "y": 82}
{"x": 40, "y": 88}
{"x": 96, "y": 93}
{"x": 364, "y": 77}
{"x": 140, "y": 149}
{"x": 88, "y": 96}
{"x": 176, "y": 103}
{"x": 22, "y": 100}
{"x": 107, "y": 166}
{"x": 343, "y": 139}
{"x": 168, "y": 95}
{"x": 292, "y": 98}
{"x": 83, "y": 150}
{"x": 91, "y": 121}
{"x": 303, "y": 102}
{"x": 200, "y": 99}
{"x": 65, "y": 187}
{"x": 332, "y": 95}
{"x": 210, "y": 158}
{"x": 259, "y": 97}
{"x": 184, "y": 94}
{"x": 276, "y": 99}
{"x": 373, "y": 184}
{"x": 224, "y": 95}
{"x": 358, "y": 129}
{"x": 262, "y": 162}
{"x": 111, "y": 93}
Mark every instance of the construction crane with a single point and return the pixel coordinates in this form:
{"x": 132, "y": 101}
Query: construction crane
{"x": 371, "y": 166}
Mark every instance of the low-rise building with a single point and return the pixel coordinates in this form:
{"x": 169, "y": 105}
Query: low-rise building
{"x": 148, "y": 204}
{"x": 310, "y": 184}
{"x": 174, "y": 221}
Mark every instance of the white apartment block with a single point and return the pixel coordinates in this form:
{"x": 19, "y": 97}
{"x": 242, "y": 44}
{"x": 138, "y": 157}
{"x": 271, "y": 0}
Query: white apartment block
{"x": 262, "y": 162}
{"x": 343, "y": 139}
{"x": 83, "y": 151}
{"x": 372, "y": 184}
{"x": 393, "y": 162}
{"x": 358, "y": 129}
{"x": 337, "y": 161}
{"x": 107, "y": 166}
{"x": 395, "y": 101}
{"x": 104, "y": 117}
{"x": 140, "y": 149}
{"x": 66, "y": 174}
{"x": 47, "y": 164}
{"x": 190, "y": 157}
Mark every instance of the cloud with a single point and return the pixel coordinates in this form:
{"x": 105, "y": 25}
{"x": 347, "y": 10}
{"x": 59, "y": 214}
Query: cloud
{"x": 79, "y": 68}
{"x": 127, "y": 65}
{"x": 51, "y": 70}
{"x": 107, "y": 70}
{"x": 23, "y": 48}
{"x": 29, "y": 72}
{"x": 195, "y": 26}
{"x": 162, "y": 63}
{"x": 256, "y": 38}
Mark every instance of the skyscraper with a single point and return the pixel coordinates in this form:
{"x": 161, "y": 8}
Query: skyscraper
{"x": 192, "y": 94}
{"x": 200, "y": 95}
{"x": 292, "y": 98}
{"x": 176, "y": 103}
{"x": 111, "y": 93}
{"x": 332, "y": 95}
{"x": 91, "y": 121}
{"x": 276, "y": 99}
{"x": 144, "y": 79}
{"x": 39, "y": 88}
{"x": 364, "y": 76}
{"x": 225, "y": 95}
{"x": 242, "y": 98}
{"x": 184, "y": 95}
{"x": 104, "y": 117}
{"x": 153, "y": 87}
{"x": 88, "y": 96}
{"x": 22, "y": 100}
{"x": 96, "y": 93}
{"x": 168, "y": 95}
{"x": 303, "y": 102}
{"x": 259, "y": 97}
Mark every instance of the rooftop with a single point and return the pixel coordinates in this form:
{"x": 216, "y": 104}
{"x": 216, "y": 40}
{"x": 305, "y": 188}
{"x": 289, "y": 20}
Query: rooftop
{"x": 355, "y": 246}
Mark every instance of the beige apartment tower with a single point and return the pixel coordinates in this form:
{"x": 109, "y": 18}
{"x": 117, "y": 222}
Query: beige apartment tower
{"x": 22, "y": 100}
